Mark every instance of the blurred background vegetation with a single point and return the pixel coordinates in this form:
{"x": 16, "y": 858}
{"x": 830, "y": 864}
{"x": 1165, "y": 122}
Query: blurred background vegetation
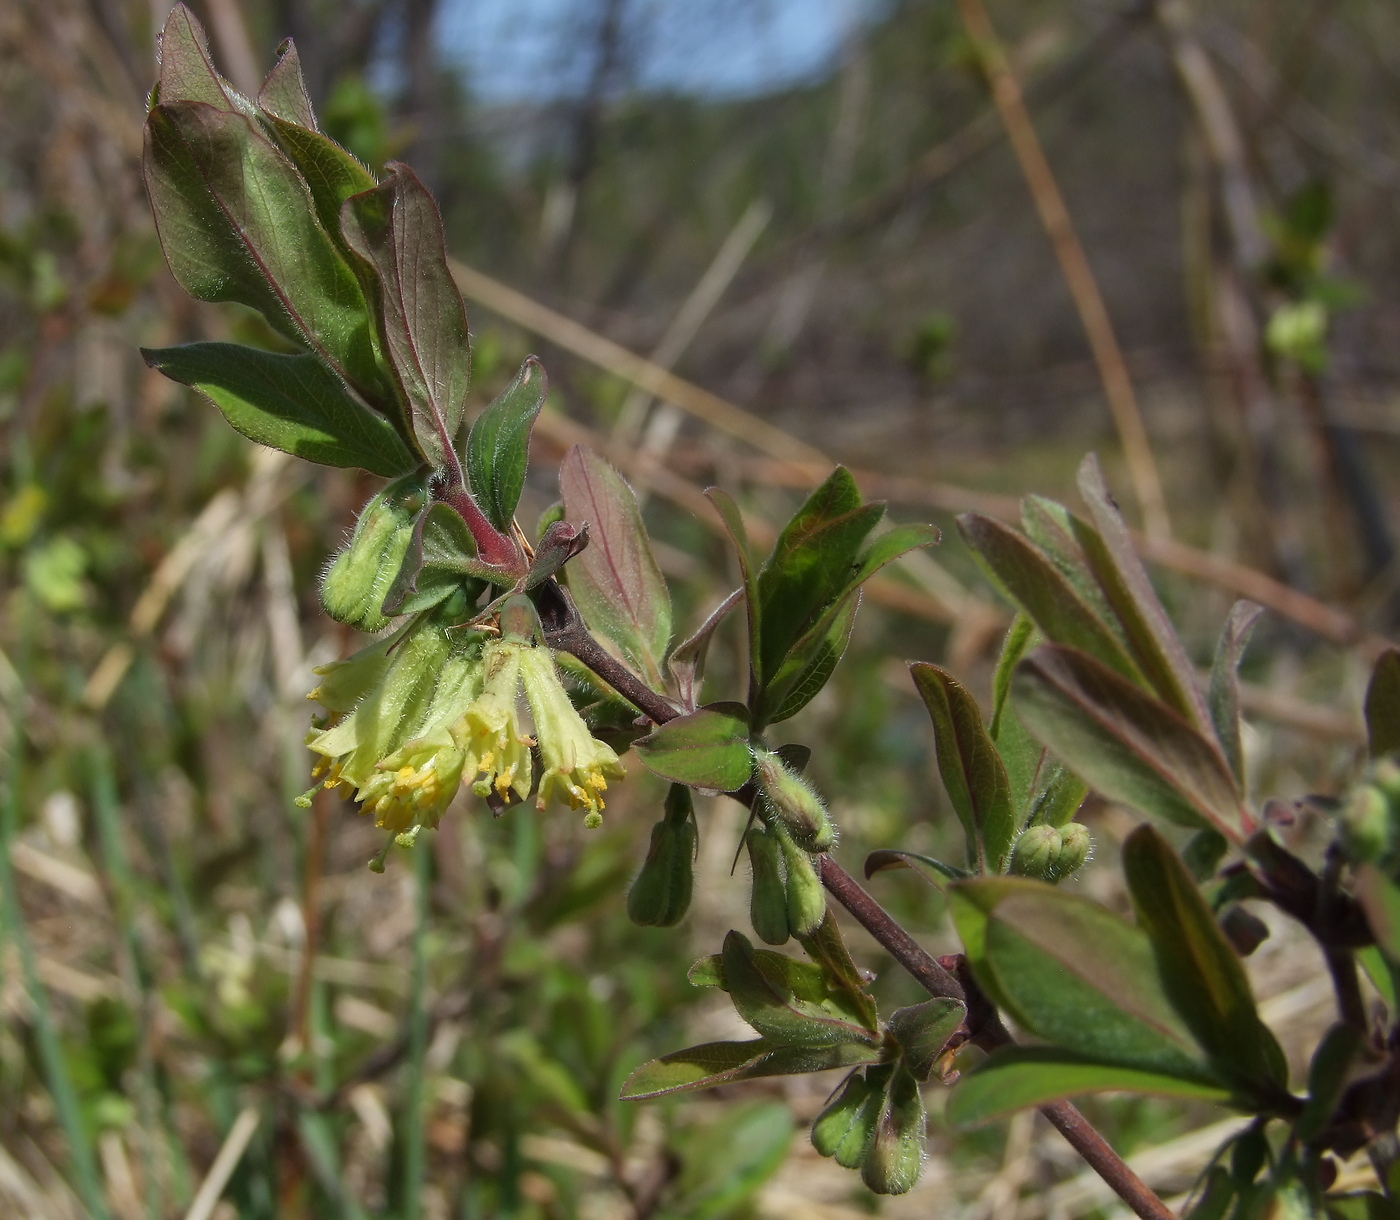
{"x": 810, "y": 209}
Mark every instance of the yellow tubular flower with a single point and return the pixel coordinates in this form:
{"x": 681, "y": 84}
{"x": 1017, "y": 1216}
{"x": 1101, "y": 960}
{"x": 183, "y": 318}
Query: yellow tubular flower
{"x": 413, "y": 785}
{"x": 576, "y": 765}
{"x": 393, "y": 706}
{"x": 495, "y": 746}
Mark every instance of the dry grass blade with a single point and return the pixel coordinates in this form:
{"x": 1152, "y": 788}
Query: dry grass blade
{"x": 1079, "y": 276}
{"x": 591, "y": 346}
{"x": 234, "y": 1145}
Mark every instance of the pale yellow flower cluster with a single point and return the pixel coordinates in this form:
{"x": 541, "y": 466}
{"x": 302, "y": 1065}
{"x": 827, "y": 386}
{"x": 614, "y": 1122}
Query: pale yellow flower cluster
{"x": 414, "y": 716}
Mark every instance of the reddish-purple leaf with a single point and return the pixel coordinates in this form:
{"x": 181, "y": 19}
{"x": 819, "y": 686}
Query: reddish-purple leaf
{"x": 1153, "y": 640}
{"x": 187, "y": 72}
{"x": 687, "y": 662}
{"x": 283, "y": 93}
{"x": 397, "y": 230}
{"x": 616, "y": 584}
{"x": 1124, "y": 742}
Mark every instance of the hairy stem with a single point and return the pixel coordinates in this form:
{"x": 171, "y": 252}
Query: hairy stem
{"x": 566, "y": 632}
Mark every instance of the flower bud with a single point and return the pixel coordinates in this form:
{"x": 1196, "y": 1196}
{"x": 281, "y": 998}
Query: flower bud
{"x": 1386, "y": 776}
{"x": 1367, "y": 822}
{"x": 1037, "y": 853}
{"x": 1075, "y": 845}
{"x": 359, "y": 577}
{"x": 660, "y": 895}
{"x": 845, "y": 1130}
{"x": 768, "y": 906}
{"x": 895, "y": 1157}
{"x": 806, "y": 900}
{"x": 789, "y": 798}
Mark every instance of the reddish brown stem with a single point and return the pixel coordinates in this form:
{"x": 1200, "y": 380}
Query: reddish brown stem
{"x": 565, "y": 631}
{"x": 1063, "y": 1116}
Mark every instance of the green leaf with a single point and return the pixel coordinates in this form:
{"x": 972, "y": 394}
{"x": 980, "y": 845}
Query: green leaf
{"x": 187, "y": 72}
{"x": 1019, "y": 1077}
{"x": 291, "y": 403}
{"x": 396, "y": 228}
{"x": 283, "y": 94}
{"x": 1224, "y": 694}
{"x": 844, "y": 982}
{"x": 924, "y": 1030}
{"x": 708, "y": 748}
{"x": 615, "y": 582}
{"x": 811, "y": 564}
{"x": 1327, "y": 1077}
{"x": 441, "y": 557}
{"x": 1383, "y": 705}
{"x": 498, "y": 446}
{"x": 1073, "y": 973}
{"x": 971, "y": 769}
{"x": 1039, "y": 587}
{"x": 1017, "y": 643}
{"x": 785, "y": 1000}
{"x": 237, "y": 224}
{"x": 715, "y": 1063}
{"x": 810, "y": 662}
{"x": 1043, "y": 791}
{"x": 932, "y": 870}
{"x": 889, "y": 546}
{"x": 790, "y": 1002}
{"x": 1152, "y": 639}
{"x": 1383, "y": 975}
{"x": 1380, "y": 899}
{"x": 331, "y": 173}
{"x": 733, "y": 521}
{"x": 1124, "y": 742}
{"x": 1199, "y": 969}
{"x": 707, "y": 972}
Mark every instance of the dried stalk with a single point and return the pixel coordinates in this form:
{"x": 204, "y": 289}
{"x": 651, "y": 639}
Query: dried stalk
{"x": 1074, "y": 264}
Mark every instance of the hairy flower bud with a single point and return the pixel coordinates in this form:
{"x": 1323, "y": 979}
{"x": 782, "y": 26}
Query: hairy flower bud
{"x": 768, "y": 905}
{"x": 660, "y": 896}
{"x": 359, "y": 577}
{"x": 1075, "y": 845}
{"x": 1368, "y": 822}
{"x": 790, "y": 799}
{"x": 806, "y": 900}
{"x": 895, "y": 1158}
{"x": 845, "y": 1130}
{"x": 1037, "y": 852}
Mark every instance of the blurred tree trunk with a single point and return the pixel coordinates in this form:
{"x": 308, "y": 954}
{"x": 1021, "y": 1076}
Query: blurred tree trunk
{"x": 423, "y": 95}
{"x": 559, "y": 224}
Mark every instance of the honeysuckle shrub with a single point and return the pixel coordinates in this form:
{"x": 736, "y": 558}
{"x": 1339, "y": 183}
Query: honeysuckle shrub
{"x": 538, "y": 665}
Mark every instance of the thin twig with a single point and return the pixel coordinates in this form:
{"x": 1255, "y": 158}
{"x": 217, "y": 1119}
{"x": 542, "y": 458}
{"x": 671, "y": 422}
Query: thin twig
{"x": 1074, "y": 264}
